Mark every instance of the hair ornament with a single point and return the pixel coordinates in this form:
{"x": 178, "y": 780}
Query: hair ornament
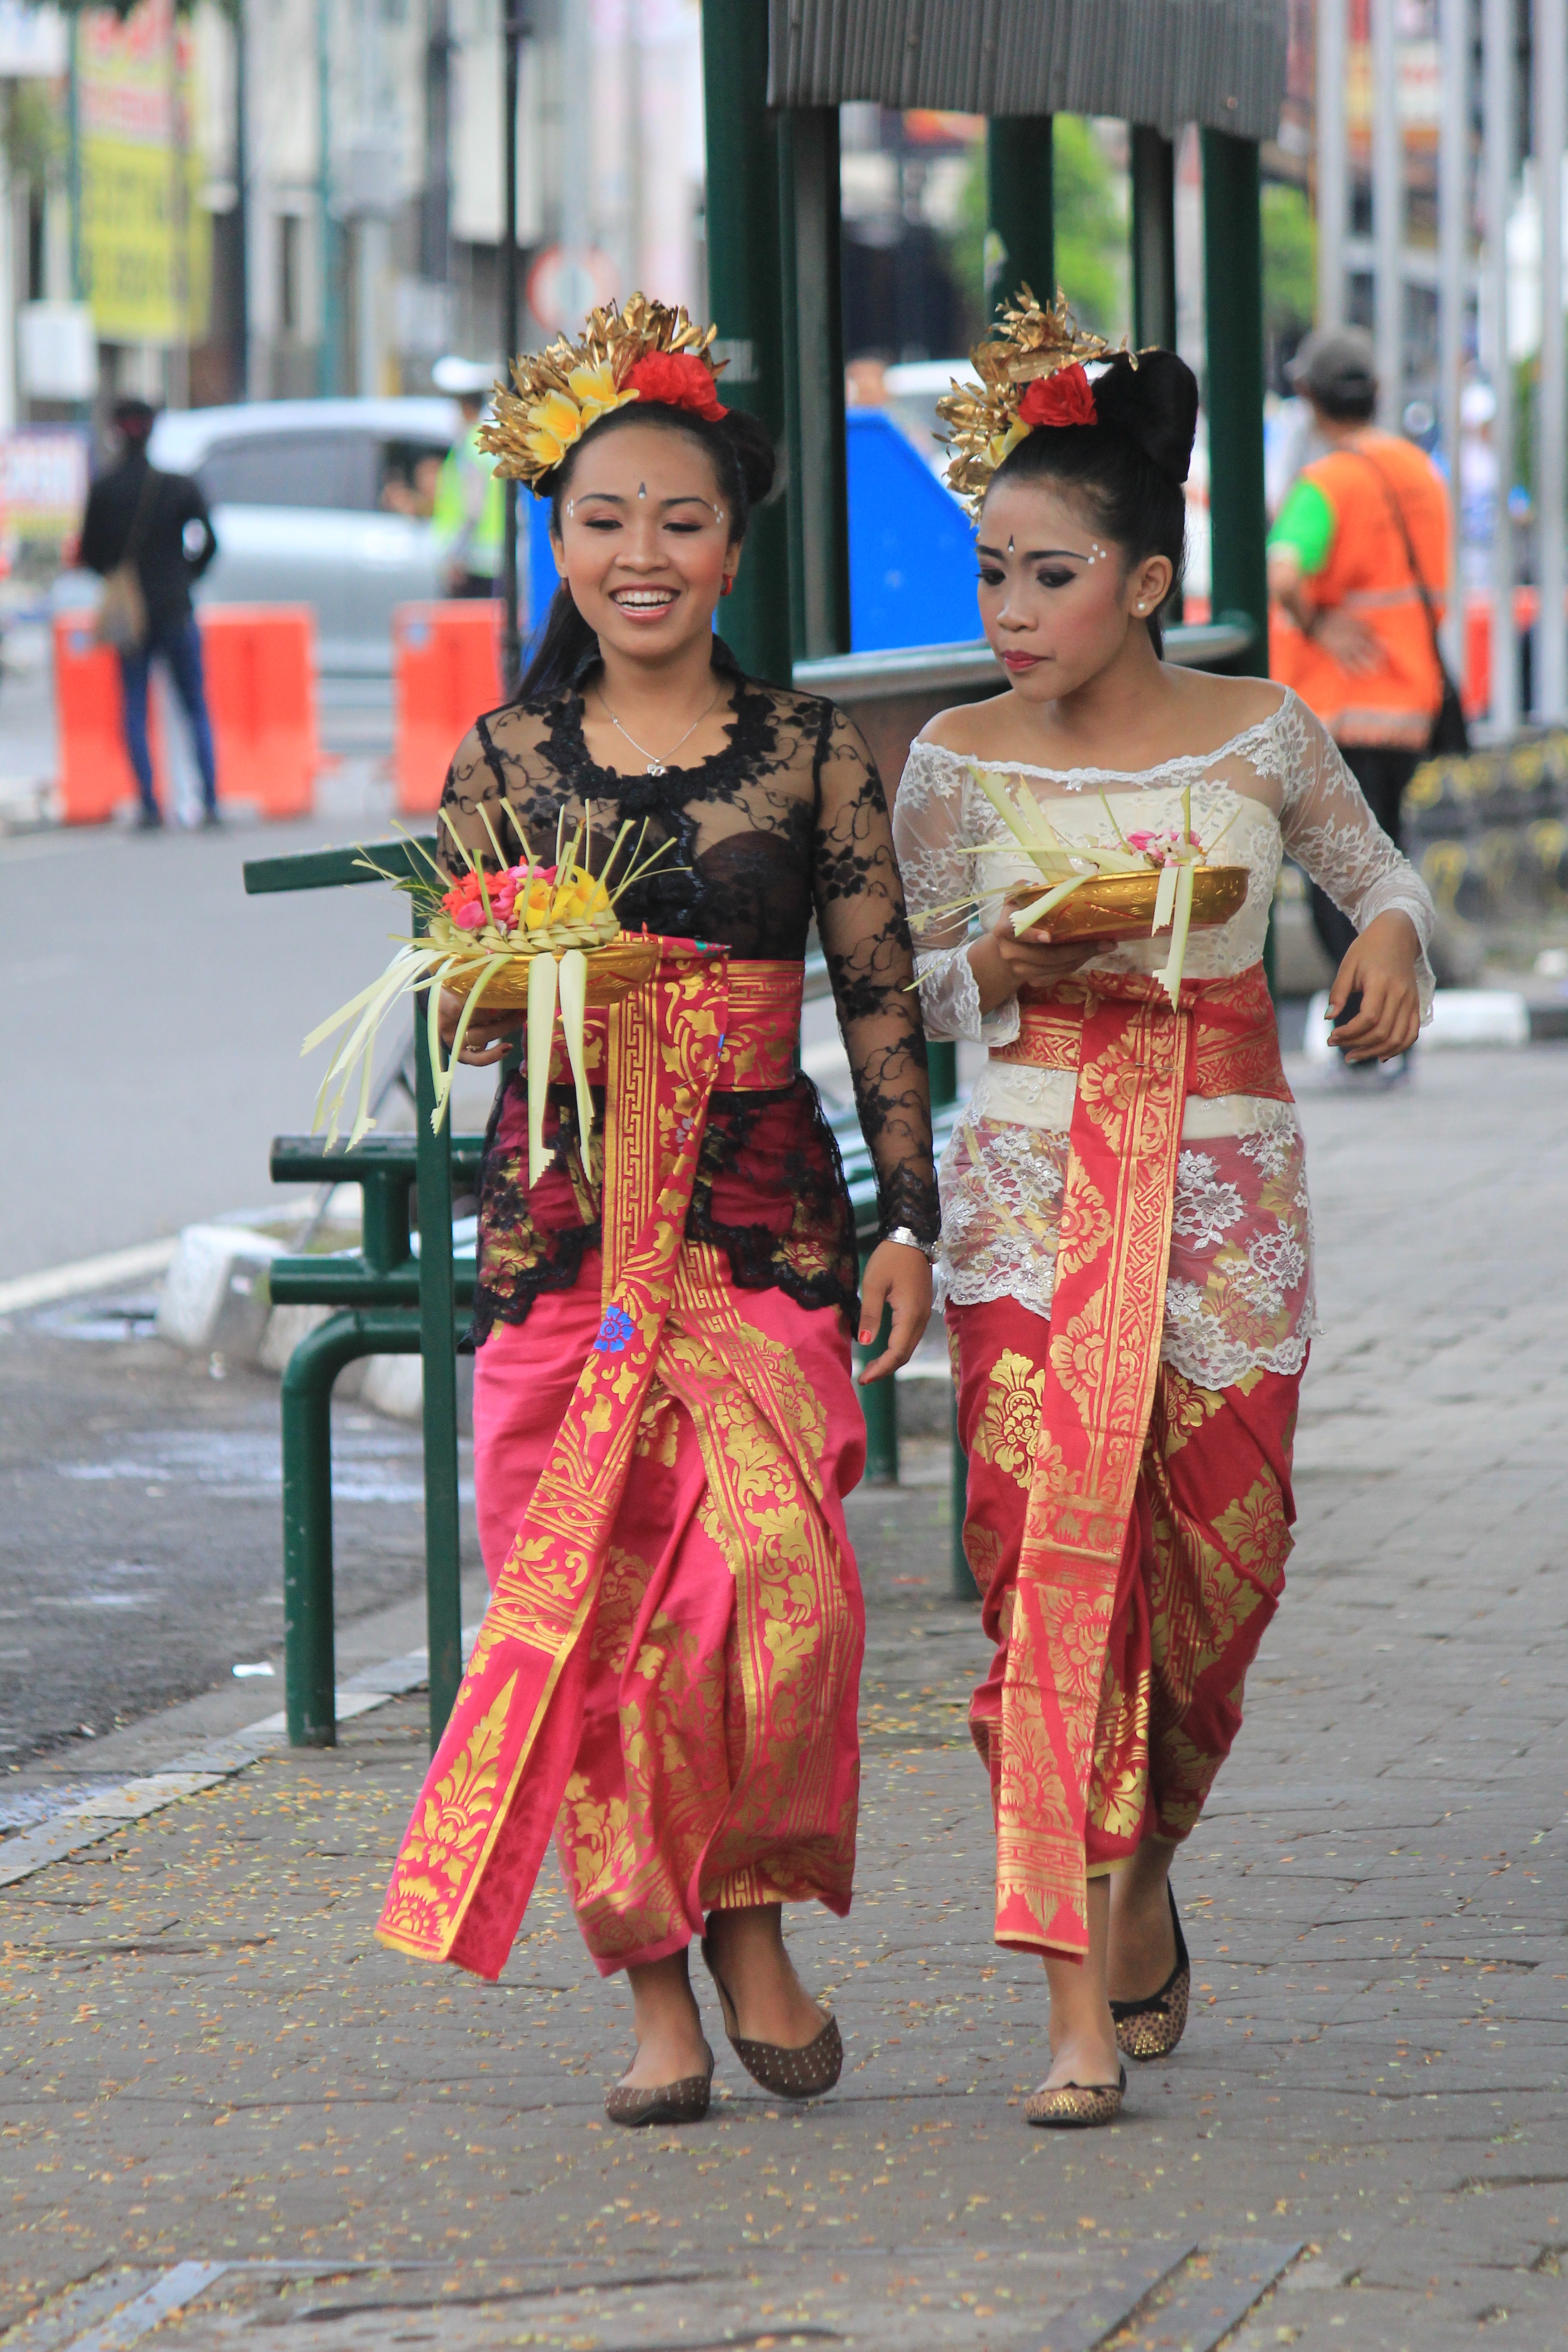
{"x": 1034, "y": 369}
{"x": 647, "y": 350}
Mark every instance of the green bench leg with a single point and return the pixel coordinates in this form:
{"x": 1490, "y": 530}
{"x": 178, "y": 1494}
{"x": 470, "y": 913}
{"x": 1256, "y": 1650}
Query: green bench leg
{"x": 309, "y": 1672}
{"x": 964, "y": 1586}
{"x": 879, "y": 1403}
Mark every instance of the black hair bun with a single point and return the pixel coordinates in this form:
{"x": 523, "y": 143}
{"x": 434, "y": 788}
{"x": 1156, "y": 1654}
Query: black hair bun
{"x": 1156, "y": 401}
{"x": 755, "y": 454}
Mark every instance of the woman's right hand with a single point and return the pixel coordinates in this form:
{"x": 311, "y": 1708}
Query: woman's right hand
{"x": 487, "y": 1037}
{"x": 1003, "y": 962}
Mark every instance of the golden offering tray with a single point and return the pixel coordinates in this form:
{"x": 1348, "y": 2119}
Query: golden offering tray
{"x": 1121, "y": 906}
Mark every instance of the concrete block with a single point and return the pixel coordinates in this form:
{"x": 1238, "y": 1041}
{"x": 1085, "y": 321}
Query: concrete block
{"x": 395, "y": 1385}
{"x": 213, "y": 1299}
{"x": 285, "y": 1326}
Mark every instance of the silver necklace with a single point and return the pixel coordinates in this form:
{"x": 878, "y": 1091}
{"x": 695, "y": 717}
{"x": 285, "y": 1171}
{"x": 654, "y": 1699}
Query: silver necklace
{"x": 655, "y": 766}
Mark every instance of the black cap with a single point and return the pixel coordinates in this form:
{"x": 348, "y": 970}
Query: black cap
{"x": 1337, "y": 365}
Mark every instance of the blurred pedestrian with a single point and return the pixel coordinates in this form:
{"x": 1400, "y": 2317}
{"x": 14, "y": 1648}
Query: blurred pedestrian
{"x": 1358, "y": 570}
{"x": 469, "y": 513}
{"x": 149, "y": 538}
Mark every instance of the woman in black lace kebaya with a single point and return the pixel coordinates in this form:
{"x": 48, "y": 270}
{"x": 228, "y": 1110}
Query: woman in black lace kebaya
{"x": 701, "y": 1732}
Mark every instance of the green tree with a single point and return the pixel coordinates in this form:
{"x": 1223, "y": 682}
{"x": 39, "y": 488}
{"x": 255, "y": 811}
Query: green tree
{"x": 1090, "y": 227}
{"x": 1289, "y": 263}
{"x": 1090, "y": 230}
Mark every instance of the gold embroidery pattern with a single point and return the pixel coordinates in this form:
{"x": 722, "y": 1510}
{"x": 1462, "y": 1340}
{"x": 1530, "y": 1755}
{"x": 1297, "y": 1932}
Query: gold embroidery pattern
{"x": 1010, "y": 1417}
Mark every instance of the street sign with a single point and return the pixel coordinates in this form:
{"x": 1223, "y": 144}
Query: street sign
{"x": 563, "y": 286}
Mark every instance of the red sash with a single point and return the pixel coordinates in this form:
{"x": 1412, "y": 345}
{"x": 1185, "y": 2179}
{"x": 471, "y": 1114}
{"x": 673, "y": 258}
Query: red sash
{"x": 1137, "y": 1058}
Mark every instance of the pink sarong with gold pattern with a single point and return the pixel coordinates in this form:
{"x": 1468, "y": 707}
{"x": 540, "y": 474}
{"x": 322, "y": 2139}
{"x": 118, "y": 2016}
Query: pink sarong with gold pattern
{"x": 686, "y": 1377}
{"x": 1136, "y": 1058}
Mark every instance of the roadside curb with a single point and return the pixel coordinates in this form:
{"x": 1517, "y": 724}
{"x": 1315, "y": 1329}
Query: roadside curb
{"x": 216, "y": 1761}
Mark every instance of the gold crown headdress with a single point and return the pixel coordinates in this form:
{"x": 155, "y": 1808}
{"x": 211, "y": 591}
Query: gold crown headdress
{"x": 1028, "y": 346}
{"x": 649, "y": 351}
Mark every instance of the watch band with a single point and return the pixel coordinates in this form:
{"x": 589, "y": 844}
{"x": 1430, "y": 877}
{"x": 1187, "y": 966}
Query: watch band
{"x": 910, "y": 1240}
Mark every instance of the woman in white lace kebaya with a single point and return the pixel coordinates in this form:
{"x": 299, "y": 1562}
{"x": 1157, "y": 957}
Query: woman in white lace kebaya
{"x": 1126, "y": 1244}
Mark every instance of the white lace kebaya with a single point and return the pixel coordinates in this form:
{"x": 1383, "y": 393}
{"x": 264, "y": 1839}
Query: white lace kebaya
{"x": 1239, "y": 1294}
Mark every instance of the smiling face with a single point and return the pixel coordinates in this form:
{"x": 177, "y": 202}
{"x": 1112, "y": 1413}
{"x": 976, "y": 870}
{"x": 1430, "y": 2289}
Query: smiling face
{"x": 1057, "y": 597}
{"x": 644, "y": 540}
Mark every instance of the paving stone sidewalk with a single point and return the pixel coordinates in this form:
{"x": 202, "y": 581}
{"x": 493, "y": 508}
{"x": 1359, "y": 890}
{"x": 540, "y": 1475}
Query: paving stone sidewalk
{"x": 226, "y": 2110}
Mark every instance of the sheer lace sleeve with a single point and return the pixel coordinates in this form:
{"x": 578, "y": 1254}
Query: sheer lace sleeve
{"x": 477, "y": 779}
{"x": 935, "y": 823}
{"x": 866, "y": 939}
{"x": 1331, "y": 831}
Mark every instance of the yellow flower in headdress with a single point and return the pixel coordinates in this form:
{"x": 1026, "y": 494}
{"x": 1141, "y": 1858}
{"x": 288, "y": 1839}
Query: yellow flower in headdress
{"x": 556, "y": 394}
{"x": 595, "y": 392}
{"x": 556, "y": 422}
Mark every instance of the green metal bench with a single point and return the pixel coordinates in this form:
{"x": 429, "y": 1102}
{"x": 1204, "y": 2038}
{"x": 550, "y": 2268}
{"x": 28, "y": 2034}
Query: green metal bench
{"x": 396, "y": 1304}
{"x": 375, "y": 1293}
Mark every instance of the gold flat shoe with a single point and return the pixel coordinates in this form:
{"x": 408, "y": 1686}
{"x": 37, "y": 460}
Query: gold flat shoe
{"x": 1152, "y": 2028}
{"x": 685, "y": 2102}
{"x": 804, "y": 2073}
{"x": 1076, "y": 2106}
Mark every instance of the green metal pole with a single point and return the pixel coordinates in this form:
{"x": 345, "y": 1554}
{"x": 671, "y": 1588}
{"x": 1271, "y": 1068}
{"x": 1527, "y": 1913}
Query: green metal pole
{"x": 942, "y": 1061}
{"x": 819, "y": 489}
{"x": 745, "y": 302}
{"x": 1233, "y": 292}
{"x": 1153, "y": 238}
{"x": 443, "y": 1557}
{"x": 309, "y": 1650}
{"x": 879, "y": 1403}
{"x": 1020, "y": 243}
{"x": 1233, "y": 285}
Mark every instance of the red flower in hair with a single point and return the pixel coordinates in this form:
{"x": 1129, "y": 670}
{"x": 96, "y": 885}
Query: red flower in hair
{"x": 679, "y": 379}
{"x": 1065, "y": 398}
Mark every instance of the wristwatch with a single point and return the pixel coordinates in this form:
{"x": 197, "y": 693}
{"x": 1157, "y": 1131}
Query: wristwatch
{"x": 908, "y": 1240}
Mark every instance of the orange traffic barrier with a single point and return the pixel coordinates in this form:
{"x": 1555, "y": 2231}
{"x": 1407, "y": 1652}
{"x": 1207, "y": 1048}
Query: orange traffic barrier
{"x": 261, "y": 670}
{"x": 260, "y": 665}
{"x": 446, "y": 670}
{"x": 94, "y": 771}
{"x": 1476, "y": 691}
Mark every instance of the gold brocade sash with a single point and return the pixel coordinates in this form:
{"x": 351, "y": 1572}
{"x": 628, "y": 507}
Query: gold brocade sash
{"x": 472, "y": 1850}
{"x": 1137, "y": 1058}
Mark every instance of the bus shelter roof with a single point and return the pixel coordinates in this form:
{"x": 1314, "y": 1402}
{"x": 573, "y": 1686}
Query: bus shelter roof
{"x": 1220, "y": 63}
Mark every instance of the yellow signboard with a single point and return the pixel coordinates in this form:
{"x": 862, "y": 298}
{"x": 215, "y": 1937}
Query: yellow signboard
{"x": 146, "y": 239}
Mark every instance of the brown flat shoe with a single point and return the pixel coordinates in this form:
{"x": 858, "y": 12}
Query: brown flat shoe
{"x": 685, "y": 2102}
{"x": 1076, "y": 2106}
{"x": 803, "y": 2073}
{"x": 1152, "y": 2028}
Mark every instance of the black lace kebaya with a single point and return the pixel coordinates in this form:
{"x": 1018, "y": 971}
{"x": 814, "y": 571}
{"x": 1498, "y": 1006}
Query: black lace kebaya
{"x": 789, "y": 819}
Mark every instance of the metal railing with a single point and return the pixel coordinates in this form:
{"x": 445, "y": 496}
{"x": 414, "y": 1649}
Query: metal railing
{"x": 957, "y": 668}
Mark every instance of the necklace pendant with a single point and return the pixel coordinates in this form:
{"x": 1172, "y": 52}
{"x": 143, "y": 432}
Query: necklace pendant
{"x": 655, "y": 768}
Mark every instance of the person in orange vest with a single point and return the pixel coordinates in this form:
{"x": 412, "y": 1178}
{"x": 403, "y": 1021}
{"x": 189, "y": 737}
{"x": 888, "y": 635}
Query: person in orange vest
{"x": 1364, "y": 530}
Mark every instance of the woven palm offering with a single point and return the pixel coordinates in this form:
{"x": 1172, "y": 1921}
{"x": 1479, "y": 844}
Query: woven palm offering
{"x": 1149, "y": 882}
{"x": 532, "y": 938}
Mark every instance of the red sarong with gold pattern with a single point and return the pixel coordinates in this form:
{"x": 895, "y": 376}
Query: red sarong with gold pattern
{"x": 1136, "y": 1059}
{"x": 670, "y": 1334}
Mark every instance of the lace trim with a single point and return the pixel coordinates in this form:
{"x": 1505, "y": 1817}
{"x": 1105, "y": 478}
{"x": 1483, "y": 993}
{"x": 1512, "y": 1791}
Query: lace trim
{"x": 1074, "y": 778}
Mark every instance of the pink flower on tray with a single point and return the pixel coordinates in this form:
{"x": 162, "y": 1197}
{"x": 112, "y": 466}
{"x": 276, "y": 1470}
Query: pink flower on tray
{"x": 470, "y": 917}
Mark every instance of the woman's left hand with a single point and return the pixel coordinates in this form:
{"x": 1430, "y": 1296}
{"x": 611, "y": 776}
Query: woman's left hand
{"x": 1381, "y": 965}
{"x": 896, "y": 1276}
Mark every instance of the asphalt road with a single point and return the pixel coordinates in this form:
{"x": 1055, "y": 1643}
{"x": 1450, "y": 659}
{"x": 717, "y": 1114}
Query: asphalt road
{"x": 155, "y": 1016}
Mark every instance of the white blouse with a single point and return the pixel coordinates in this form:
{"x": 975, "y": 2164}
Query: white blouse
{"x": 1239, "y": 1293}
